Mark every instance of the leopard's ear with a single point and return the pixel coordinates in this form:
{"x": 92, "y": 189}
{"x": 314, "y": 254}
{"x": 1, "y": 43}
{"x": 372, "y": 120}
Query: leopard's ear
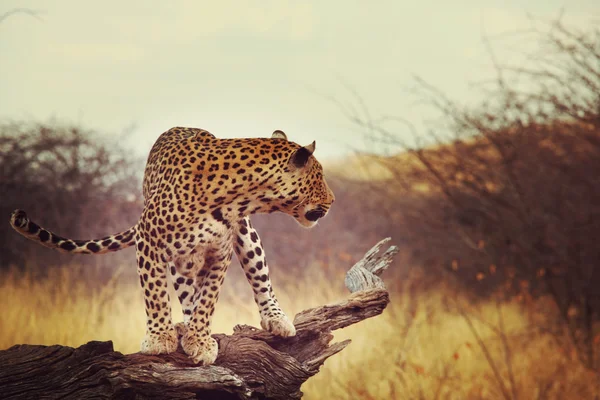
{"x": 301, "y": 156}
{"x": 279, "y": 135}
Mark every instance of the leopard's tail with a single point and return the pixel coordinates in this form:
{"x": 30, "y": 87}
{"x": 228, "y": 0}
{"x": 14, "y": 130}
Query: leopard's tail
{"x": 22, "y": 224}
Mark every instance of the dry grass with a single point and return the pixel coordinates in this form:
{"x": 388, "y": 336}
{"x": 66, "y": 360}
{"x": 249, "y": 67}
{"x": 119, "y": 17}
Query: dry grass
{"x": 419, "y": 348}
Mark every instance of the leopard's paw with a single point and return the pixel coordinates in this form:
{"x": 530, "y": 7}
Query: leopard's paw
{"x": 181, "y": 329}
{"x": 202, "y": 350}
{"x": 160, "y": 343}
{"x": 278, "y": 325}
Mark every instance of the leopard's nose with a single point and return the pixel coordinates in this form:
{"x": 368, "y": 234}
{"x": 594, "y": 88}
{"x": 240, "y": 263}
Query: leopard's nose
{"x": 315, "y": 214}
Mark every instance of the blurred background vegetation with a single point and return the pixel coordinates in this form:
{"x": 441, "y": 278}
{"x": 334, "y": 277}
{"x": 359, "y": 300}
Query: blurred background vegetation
{"x": 496, "y": 290}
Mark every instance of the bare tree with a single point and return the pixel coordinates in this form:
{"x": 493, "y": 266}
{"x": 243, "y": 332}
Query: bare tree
{"x": 69, "y": 179}
{"x": 510, "y": 203}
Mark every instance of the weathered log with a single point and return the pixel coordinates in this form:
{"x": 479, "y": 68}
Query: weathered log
{"x": 252, "y": 363}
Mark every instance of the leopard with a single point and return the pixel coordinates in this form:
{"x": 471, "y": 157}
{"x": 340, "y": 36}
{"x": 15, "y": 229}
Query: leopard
{"x": 199, "y": 192}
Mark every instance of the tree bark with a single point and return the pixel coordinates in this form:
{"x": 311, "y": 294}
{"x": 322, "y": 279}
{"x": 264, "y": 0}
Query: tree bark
{"x": 252, "y": 363}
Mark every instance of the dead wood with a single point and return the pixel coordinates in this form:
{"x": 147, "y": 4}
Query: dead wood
{"x": 252, "y": 363}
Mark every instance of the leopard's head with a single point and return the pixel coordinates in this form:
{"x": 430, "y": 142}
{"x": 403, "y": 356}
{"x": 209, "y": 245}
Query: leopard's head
{"x": 306, "y": 195}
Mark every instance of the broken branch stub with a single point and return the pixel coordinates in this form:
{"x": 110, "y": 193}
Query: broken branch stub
{"x": 252, "y": 363}
{"x": 365, "y": 273}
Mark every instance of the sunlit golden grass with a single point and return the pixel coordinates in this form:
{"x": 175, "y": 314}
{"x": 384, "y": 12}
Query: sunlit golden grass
{"x": 419, "y": 348}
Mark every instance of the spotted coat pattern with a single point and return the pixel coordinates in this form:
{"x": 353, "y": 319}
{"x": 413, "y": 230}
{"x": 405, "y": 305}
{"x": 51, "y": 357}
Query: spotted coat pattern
{"x": 198, "y": 194}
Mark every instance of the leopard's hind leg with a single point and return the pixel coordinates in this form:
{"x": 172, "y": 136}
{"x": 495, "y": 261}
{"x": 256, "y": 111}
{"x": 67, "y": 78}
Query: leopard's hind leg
{"x": 161, "y": 337}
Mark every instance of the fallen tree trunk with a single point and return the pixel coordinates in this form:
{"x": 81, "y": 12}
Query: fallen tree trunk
{"x": 252, "y": 363}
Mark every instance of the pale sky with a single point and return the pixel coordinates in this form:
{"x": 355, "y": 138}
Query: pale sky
{"x": 245, "y": 68}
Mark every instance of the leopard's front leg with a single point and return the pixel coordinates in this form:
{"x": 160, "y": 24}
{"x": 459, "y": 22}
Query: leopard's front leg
{"x": 249, "y": 250}
{"x": 196, "y": 340}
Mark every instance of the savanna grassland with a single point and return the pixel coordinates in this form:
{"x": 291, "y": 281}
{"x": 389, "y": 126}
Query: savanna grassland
{"x": 420, "y": 347}
{"x": 485, "y": 304}
{"x": 480, "y": 308}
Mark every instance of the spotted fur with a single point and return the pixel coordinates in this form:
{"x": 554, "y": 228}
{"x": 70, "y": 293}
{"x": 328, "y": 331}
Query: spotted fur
{"x": 198, "y": 194}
